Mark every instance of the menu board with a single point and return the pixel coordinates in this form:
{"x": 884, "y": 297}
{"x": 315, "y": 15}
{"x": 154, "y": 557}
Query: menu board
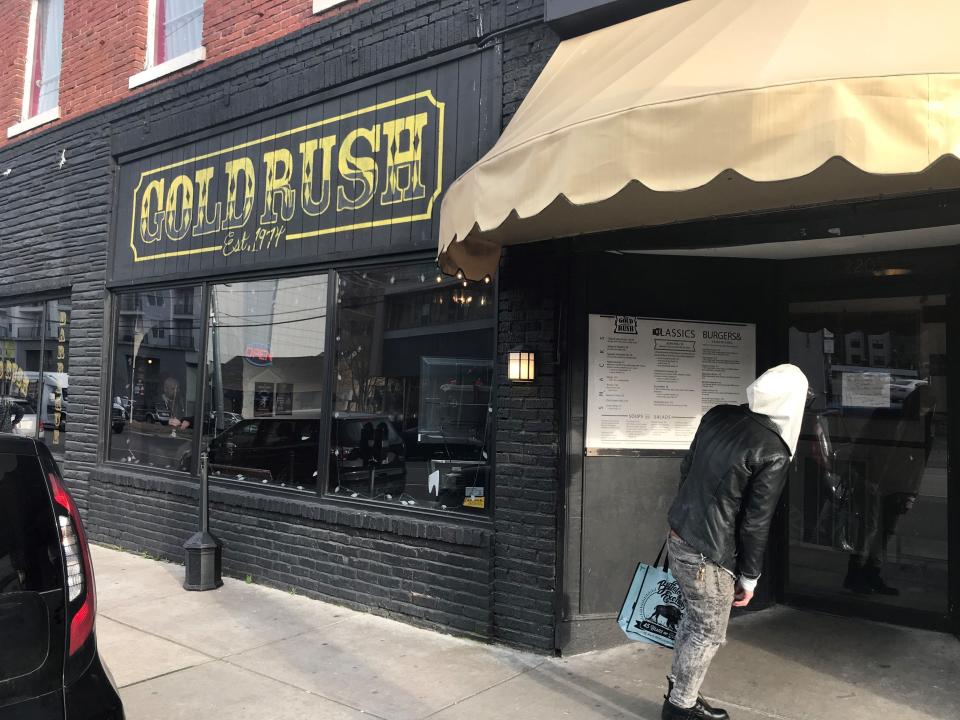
{"x": 650, "y": 380}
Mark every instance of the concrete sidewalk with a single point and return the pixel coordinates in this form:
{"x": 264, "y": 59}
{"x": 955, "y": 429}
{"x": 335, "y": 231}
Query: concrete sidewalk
{"x": 246, "y": 651}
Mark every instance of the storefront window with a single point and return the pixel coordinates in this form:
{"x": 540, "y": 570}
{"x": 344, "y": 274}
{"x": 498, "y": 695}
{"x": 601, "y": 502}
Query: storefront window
{"x": 414, "y": 370}
{"x": 55, "y": 390}
{"x": 34, "y": 360}
{"x": 21, "y": 331}
{"x": 265, "y": 378}
{"x": 156, "y": 377}
{"x": 868, "y": 494}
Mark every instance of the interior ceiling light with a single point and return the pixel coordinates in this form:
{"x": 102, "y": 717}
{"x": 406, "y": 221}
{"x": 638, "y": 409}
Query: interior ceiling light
{"x": 892, "y": 272}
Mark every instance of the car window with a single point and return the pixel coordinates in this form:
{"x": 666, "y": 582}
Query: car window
{"x": 29, "y": 551}
{"x": 353, "y": 431}
{"x": 279, "y": 432}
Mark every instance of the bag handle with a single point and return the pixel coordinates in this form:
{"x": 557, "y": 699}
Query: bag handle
{"x": 656, "y": 563}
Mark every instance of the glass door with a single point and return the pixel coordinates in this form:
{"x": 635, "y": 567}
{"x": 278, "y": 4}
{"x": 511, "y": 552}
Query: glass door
{"x": 868, "y": 490}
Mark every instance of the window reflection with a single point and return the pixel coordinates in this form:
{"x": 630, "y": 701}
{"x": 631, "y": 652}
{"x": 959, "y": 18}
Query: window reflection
{"x": 266, "y": 372}
{"x": 21, "y": 330}
{"x": 34, "y": 367}
{"x": 55, "y": 389}
{"x": 156, "y": 377}
{"x": 414, "y": 370}
{"x": 868, "y": 496}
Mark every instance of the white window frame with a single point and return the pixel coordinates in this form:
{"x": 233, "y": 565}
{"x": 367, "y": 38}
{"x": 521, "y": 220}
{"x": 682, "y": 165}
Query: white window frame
{"x": 153, "y": 72}
{"x": 26, "y": 121}
{"x": 320, "y": 5}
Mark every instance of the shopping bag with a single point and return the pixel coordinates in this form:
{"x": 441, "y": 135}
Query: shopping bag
{"x": 654, "y": 604}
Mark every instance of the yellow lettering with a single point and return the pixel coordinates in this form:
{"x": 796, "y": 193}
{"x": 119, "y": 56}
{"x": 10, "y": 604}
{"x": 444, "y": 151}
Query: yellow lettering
{"x": 179, "y": 207}
{"x": 207, "y": 222}
{"x": 407, "y": 160}
{"x": 150, "y": 232}
{"x": 360, "y": 171}
{"x": 278, "y": 183}
{"x": 237, "y": 218}
{"x": 308, "y": 151}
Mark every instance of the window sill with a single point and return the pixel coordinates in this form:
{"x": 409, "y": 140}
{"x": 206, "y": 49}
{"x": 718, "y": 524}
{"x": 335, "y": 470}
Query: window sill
{"x": 320, "y": 5}
{"x": 170, "y": 66}
{"x": 36, "y": 121}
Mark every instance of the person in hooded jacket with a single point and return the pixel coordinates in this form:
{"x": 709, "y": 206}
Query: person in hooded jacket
{"x": 730, "y": 484}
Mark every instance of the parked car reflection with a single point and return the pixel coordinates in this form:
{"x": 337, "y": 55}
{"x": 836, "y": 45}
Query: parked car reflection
{"x": 210, "y": 423}
{"x": 367, "y": 454}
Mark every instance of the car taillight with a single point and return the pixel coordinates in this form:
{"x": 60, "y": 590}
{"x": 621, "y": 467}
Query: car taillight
{"x": 81, "y": 594}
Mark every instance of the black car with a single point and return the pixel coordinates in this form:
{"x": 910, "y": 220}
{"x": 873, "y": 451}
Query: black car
{"x": 367, "y": 454}
{"x": 49, "y": 665}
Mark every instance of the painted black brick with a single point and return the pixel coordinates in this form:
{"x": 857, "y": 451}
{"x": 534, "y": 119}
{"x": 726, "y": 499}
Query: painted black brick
{"x": 434, "y": 574}
{"x": 528, "y": 452}
{"x": 54, "y": 228}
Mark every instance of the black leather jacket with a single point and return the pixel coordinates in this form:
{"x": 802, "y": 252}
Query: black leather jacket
{"x": 730, "y": 484}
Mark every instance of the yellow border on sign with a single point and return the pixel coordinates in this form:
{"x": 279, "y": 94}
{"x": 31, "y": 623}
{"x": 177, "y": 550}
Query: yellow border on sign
{"x": 424, "y": 94}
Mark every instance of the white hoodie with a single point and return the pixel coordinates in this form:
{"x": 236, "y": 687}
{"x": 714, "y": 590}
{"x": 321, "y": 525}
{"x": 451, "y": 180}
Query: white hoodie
{"x": 781, "y": 394}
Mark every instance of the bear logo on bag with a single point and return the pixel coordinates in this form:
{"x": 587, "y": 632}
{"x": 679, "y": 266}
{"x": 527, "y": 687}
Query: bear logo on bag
{"x": 660, "y": 611}
{"x": 671, "y": 613}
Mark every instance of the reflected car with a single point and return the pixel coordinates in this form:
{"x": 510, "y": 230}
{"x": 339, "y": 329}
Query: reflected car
{"x": 49, "y": 663}
{"x": 157, "y": 414}
{"x": 285, "y": 450}
{"x": 210, "y": 425}
{"x": 361, "y": 444}
{"x": 901, "y": 387}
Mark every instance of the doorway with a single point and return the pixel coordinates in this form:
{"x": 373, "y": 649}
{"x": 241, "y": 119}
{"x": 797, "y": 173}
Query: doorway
{"x": 867, "y": 496}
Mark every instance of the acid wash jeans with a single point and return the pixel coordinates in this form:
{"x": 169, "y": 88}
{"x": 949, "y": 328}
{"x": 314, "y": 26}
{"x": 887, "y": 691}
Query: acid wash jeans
{"x": 708, "y": 595}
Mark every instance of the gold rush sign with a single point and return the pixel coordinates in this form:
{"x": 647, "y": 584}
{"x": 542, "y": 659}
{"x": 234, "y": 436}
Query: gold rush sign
{"x": 374, "y": 166}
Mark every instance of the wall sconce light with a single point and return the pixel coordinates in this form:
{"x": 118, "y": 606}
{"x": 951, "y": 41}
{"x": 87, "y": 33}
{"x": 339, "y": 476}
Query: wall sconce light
{"x": 521, "y": 366}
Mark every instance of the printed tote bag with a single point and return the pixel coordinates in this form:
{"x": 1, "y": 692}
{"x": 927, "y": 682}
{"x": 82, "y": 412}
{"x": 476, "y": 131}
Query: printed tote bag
{"x": 654, "y": 605}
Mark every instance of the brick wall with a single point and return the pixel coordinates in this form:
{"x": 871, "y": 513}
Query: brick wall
{"x": 435, "y": 574}
{"x": 54, "y": 231}
{"x": 528, "y": 451}
{"x": 13, "y": 54}
{"x": 104, "y": 43}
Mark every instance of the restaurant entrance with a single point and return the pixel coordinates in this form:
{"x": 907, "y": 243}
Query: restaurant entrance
{"x": 863, "y": 527}
{"x": 867, "y": 529}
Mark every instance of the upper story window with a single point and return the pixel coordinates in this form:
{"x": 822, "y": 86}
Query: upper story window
{"x": 174, "y": 38}
{"x": 41, "y": 91}
{"x": 178, "y": 28}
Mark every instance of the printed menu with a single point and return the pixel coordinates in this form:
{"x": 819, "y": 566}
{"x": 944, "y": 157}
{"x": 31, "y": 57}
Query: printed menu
{"x": 650, "y": 380}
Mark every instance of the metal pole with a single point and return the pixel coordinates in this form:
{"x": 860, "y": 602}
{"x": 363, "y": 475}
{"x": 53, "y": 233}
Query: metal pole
{"x": 204, "y": 496}
{"x": 217, "y": 370}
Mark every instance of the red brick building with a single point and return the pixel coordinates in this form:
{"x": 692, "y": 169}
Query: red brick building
{"x": 109, "y": 49}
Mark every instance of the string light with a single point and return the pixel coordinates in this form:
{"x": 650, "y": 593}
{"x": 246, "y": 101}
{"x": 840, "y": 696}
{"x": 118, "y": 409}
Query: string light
{"x": 487, "y": 279}
{"x": 460, "y": 275}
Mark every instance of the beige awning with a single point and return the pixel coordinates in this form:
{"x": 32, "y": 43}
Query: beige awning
{"x": 714, "y": 108}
